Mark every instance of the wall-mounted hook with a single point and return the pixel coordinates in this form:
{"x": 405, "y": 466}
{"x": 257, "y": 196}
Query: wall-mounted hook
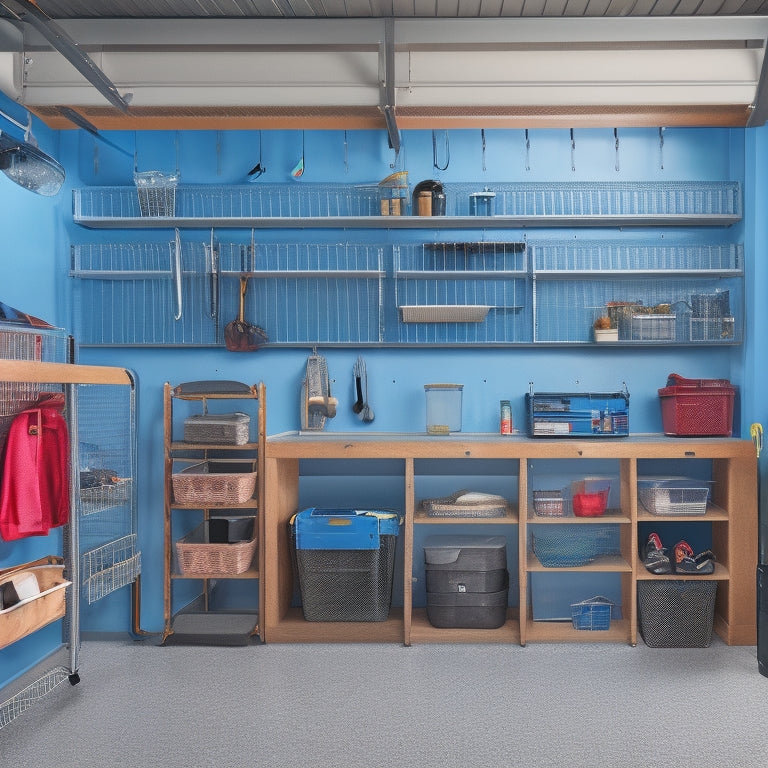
{"x": 482, "y": 141}
{"x": 661, "y": 148}
{"x": 447, "y": 149}
{"x": 616, "y": 143}
{"x": 573, "y": 152}
{"x": 527, "y": 151}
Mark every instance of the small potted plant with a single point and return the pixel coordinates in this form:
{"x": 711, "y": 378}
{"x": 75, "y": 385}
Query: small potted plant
{"x": 603, "y": 330}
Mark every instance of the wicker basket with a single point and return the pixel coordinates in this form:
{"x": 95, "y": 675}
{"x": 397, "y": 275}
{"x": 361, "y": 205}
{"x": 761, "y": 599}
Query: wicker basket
{"x": 196, "y": 555}
{"x": 215, "y": 483}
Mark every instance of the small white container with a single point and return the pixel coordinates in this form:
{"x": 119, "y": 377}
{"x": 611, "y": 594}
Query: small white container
{"x": 443, "y": 408}
{"x": 606, "y": 334}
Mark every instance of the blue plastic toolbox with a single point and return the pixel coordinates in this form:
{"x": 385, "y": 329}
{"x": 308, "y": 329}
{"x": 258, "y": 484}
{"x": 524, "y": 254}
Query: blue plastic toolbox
{"x": 577, "y": 414}
{"x": 345, "y": 562}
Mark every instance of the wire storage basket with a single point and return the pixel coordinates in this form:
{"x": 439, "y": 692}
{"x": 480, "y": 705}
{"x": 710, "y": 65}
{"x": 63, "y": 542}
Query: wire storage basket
{"x": 571, "y": 546}
{"x": 593, "y": 614}
{"x": 157, "y": 193}
{"x": 674, "y": 496}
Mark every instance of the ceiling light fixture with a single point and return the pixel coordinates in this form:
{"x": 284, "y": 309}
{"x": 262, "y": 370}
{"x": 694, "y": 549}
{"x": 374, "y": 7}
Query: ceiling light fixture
{"x": 26, "y": 165}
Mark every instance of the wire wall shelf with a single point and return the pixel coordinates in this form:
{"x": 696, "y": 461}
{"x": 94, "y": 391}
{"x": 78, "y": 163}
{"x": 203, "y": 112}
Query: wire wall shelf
{"x": 462, "y": 293}
{"x": 603, "y": 199}
{"x": 716, "y": 203}
{"x": 606, "y": 257}
{"x": 642, "y": 311}
{"x": 183, "y": 293}
{"x": 297, "y": 200}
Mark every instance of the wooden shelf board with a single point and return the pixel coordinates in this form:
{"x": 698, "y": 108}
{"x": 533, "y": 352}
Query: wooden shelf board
{"x": 605, "y": 564}
{"x": 420, "y": 518}
{"x": 293, "y": 628}
{"x": 423, "y": 632}
{"x": 563, "y": 632}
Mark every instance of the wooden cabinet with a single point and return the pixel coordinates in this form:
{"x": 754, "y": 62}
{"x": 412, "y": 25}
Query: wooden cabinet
{"x": 202, "y": 604}
{"x": 506, "y": 463}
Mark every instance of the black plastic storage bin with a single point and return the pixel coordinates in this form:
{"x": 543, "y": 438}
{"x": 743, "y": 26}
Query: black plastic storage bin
{"x": 345, "y": 563}
{"x": 676, "y": 613}
{"x": 467, "y": 610}
{"x": 467, "y": 581}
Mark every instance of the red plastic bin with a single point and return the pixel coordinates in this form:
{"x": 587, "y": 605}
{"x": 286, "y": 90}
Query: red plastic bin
{"x": 697, "y": 407}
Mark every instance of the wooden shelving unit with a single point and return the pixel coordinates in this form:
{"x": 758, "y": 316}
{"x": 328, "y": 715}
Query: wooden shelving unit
{"x": 199, "y": 621}
{"x": 732, "y": 517}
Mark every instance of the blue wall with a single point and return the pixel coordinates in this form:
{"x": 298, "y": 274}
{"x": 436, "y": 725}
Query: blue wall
{"x": 41, "y": 230}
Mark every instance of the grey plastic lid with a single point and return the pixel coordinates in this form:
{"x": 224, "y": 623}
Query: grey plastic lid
{"x": 446, "y": 549}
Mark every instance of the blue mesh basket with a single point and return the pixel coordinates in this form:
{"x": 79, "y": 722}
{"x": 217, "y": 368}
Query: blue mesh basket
{"x": 570, "y": 546}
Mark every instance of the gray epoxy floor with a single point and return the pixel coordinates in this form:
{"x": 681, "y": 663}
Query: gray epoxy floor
{"x": 436, "y": 706}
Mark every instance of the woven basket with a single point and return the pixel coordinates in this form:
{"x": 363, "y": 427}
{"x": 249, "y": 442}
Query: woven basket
{"x": 215, "y": 483}
{"x": 464, "y": 503}
{"x": 196, "y": 556}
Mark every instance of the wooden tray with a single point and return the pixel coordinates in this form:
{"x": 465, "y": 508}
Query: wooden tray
{"x": 35, "y": 612}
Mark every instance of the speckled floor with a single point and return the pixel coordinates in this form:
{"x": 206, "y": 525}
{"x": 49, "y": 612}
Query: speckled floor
{"x": 436, "y": 706}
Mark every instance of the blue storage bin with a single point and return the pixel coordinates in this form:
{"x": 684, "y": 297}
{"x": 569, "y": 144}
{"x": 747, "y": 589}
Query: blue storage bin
{"x": 345, "y": 562}
{"x": 320, "y": 528}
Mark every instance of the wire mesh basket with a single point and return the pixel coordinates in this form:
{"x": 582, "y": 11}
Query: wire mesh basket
{"x": 571, "y": 546}
{"x": 593, "y": 614}
{"x": 674, "y": 496}
{"x": 157, "y": 193}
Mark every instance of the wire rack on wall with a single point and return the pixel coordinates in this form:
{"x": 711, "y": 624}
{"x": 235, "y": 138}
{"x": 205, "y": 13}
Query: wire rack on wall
{"x": 234, "y": 201}
{"x": 183, "y": 293}
{"x": 143, "y": 294}
{"x": 318, "y": 200}
{"x": 449, "y": 293}
{"x": 648, "y": 292}
{"x": 595, "y": 199}
{"x": 606, "y": 256}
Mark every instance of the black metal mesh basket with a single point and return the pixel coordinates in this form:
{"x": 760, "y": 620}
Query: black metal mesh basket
{"x": 345, "y": 584}
{"x": 676, "y": 613}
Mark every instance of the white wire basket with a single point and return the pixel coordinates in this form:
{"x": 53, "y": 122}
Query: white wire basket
{"x": 157, "y": 193}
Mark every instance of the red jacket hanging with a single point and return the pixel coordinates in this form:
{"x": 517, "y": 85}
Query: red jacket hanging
{"x": 34, "y": 488}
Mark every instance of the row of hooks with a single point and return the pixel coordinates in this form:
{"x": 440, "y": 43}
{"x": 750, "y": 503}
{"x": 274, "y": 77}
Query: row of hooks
{"x": 442, "y": 164}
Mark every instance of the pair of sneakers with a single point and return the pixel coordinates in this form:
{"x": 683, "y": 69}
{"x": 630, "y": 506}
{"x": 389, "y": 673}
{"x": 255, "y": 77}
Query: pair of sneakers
{"x": 683, "y": 560}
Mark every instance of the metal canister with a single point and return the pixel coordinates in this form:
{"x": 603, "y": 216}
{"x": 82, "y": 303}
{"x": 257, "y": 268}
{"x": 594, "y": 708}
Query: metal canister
{"x": 506, "y": 418}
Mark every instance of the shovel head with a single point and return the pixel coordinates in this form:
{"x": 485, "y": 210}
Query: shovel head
{"x": 240, "y": 336}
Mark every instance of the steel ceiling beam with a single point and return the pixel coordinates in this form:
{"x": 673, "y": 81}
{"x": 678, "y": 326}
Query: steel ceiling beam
{"x": 28, "y": 12}
{"x": 387, "y": 89}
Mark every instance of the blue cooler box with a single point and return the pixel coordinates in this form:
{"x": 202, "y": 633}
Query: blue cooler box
{"x": 345, "y": 561}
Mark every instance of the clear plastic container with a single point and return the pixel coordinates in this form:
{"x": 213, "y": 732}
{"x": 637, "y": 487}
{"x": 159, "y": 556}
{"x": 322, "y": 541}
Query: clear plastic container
{"x": 443, "y": 408}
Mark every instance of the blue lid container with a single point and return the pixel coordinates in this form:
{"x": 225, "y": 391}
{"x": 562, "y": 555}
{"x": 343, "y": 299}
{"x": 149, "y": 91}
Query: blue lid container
{"x": 321, "y": 528}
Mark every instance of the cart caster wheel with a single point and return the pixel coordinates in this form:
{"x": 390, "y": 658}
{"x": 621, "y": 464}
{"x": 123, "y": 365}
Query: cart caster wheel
{"x": 74, "y": 678}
